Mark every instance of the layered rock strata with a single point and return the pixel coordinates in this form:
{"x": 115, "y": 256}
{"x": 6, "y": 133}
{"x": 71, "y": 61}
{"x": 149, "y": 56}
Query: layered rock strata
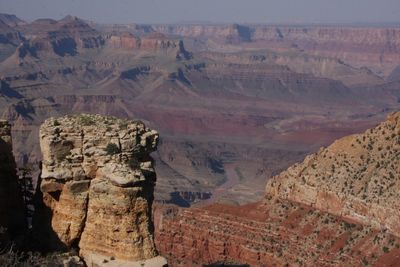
{"x": 66, "y": 37}
{"x": 374, "y": 47}
{"x": 11, "y": 204}
{"x": 337, "y": 208}
{"x": 357, "y": 177}
{"x": 155, "y": 43}
{"x": 281, "y": 233}
{"x": 97, "y": 183}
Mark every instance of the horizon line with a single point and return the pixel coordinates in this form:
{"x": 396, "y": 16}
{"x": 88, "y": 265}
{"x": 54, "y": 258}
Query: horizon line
{"x": 211, "y": 23}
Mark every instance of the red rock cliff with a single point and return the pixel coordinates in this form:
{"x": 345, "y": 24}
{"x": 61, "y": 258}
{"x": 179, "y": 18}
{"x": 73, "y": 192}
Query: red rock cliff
{"x": 337, "y": 208}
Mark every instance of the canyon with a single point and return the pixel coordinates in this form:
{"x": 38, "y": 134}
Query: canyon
{"x": 339, "y": 206}
{"x": 374, "y": 47}
{"x": 286, "y": 103}
{"x": 236, "y": 106}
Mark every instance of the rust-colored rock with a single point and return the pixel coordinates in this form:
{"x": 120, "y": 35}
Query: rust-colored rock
{"x": 278, "y": 233}
{"x": 97, "y": 185}
{"x": 337, "y": 208}
{"x": 357, "y": 177}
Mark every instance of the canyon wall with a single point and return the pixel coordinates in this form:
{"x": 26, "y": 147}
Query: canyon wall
{"x": 9, "y": 35}
{"x": 339, "y": 206}
{"x": 97, "y": 186}
{"x": 280, "y": 233}
{"x": 192, "y": 98}
{"x": 68, "y": 36}
{"x": 12, "y": 215}
{"x": 374, "y": 47}
{"x": 357, "y": 177}
{"x": 154, "y": 43}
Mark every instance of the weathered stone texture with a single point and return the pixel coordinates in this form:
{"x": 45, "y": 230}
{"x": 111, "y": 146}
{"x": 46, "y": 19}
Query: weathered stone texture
{"x": 357, "y": 177}
{"x": 340, "y": 207}
{"x": 97, "y": 185}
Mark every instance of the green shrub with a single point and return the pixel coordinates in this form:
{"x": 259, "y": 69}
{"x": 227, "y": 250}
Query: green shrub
{"x": 29, "y": 259}
{"x": 112, "y": 149}
{"x": 87, "y": 121}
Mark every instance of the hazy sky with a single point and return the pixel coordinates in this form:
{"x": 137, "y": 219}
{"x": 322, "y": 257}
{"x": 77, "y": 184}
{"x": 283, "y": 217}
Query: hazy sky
{"x": 241, "y": 11}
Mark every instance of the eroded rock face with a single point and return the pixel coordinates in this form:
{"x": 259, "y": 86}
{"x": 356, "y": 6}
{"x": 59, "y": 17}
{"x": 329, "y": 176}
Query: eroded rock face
{"x": 377, "y": 48}
{"x": 357, "y": 177}
{"x": 97, "y": 185}
{"x": 11, "y": 204}
{"x": 155, "y": 42}
{"x": 66, "y": 37}
{"x": 340, "y": 207}
{"x": 277, "y": 233}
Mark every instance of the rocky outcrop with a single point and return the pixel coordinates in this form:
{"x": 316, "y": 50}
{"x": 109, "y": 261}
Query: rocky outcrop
{"x": 12, "y": 215}
{"x": 66, "y": 37}
{"x": 97, "y": 186}
{"x": 124, "y": 41}
{"x": 154, "y": 42}
{"x": 11, "y": 20}
{"x": 339, "y": 206}
{"x": 9, "y": 35}
{"x": 357, "y": 177}
{"x": 233, "y": 33}
{"x": 279, "y": 233}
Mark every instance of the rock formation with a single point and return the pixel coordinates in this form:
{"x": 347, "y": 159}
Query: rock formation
{"x": 374, "y": 47}
{"x": 11, "y": 20}
{"x": 337, "y": 208}
{"x": 12, "y": 215}
{"x": 68, "y": 36}
{"x": 280, "y": 99}
{"x": 9, "y": 35}
{"x": 357, "y": 178}
{"x": 97, "y": 183}
{"x": 154, "y": 42}
{"x": 277, "y": 234}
